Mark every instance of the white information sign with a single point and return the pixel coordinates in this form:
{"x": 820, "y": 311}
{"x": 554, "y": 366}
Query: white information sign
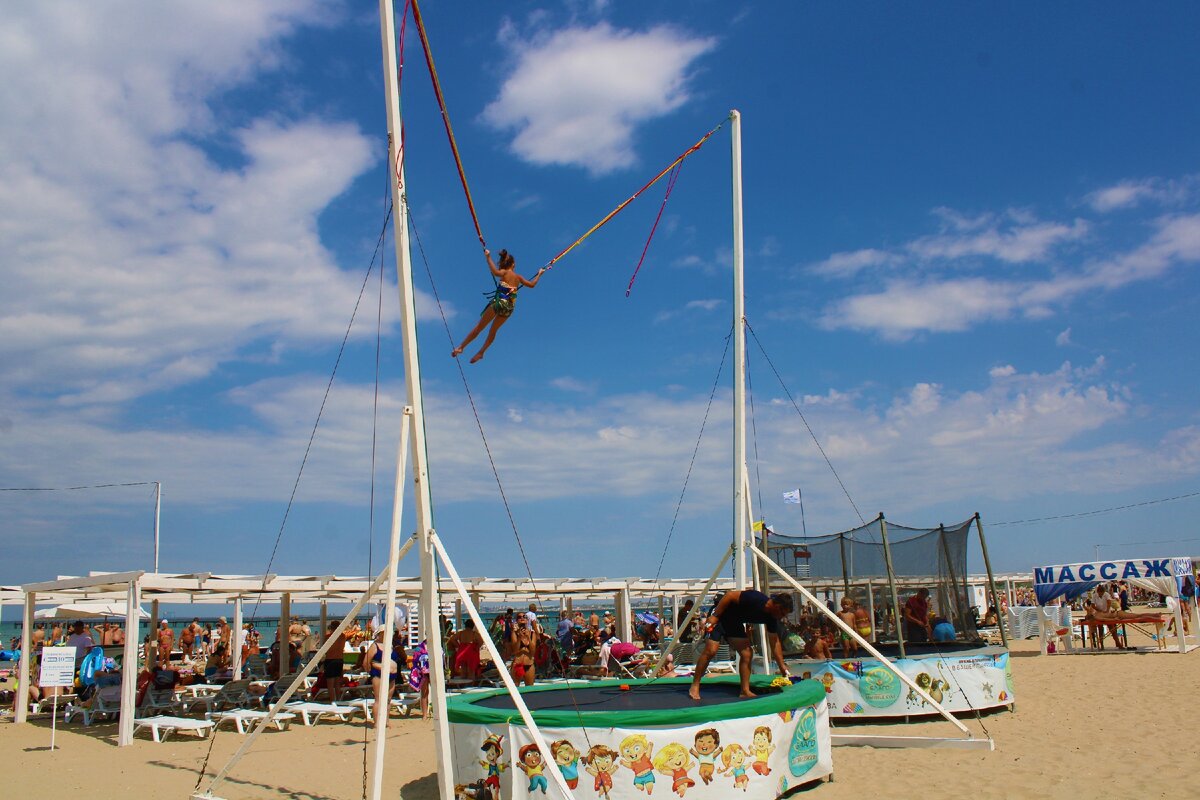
{"x": 58, "y": 666}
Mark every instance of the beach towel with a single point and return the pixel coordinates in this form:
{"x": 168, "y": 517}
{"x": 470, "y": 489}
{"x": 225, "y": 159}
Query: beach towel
{"x": 92, "y": 663}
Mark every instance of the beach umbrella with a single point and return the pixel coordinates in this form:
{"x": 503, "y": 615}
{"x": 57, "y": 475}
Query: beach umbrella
{"x": 647, "y": 618}
{"x": 86, "y": 611}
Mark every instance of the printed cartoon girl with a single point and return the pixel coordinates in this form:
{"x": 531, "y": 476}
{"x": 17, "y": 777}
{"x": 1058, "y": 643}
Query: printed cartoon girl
{"x": 762, "y": 748}
{"x": 706, "y": 750}
{"x": 673, "y": 759}
{"x": 492, "y": 763}
{"x": 567, "y": 759}
{"x": 635, "y": 754}
{"x": 733, "y": 761}
{"x": 529, "y": 761}
{"x": 601, "y": 762}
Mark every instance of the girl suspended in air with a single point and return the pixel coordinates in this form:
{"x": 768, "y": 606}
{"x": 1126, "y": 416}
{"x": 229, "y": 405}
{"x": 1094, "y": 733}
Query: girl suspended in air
{"x": 501, "y": 303}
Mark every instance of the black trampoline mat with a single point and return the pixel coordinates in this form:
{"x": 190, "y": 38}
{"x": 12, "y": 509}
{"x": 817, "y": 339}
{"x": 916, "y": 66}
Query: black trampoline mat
{"x": 650, "y": 697}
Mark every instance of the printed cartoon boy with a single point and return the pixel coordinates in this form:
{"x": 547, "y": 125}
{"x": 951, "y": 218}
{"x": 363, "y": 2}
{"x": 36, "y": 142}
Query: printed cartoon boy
{"x": 706, "y": 750}
{"x": 635, "y": 754}
{"x": 529, "y": 761}
{"x": 762, "y": 748}
{"x": 674, "y": 760}
{"x": 492, "y": 763}
{"x": 567, "y": 759}
{"x": 733, "y": 761}
{"x": 601, "y": 762}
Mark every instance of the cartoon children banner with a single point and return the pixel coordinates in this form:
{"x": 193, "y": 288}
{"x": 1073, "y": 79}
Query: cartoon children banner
{"x": 757, "y": 758}
{"x": 865, "y": 688}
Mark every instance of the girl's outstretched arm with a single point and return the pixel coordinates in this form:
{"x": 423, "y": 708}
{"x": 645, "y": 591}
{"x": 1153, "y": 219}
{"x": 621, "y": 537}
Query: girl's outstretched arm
{"x": 536, "y": 278}
{"x": 491, "y": 264}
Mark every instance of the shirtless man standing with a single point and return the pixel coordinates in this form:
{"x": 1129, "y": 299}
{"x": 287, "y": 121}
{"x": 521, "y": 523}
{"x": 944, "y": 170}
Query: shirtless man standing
{"x": 187, "y": 638}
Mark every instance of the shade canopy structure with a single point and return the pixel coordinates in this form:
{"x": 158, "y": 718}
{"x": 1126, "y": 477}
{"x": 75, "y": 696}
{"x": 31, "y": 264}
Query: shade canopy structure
{"x": 93, "y": 610}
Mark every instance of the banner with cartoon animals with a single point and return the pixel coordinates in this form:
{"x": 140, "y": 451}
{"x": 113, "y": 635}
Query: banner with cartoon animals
{"x": 864, "y": 688}
{"x": 757, "y": 758}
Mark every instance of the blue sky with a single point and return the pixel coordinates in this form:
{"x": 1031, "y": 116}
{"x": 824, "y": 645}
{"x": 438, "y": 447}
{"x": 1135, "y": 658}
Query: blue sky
{"x": 971, "y": 245}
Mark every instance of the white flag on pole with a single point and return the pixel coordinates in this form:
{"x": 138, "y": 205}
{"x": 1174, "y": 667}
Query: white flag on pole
{"x": 792, "y": 496}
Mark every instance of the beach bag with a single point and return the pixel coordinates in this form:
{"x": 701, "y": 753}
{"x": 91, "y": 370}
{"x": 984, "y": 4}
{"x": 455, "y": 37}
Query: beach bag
{"x": 92, "y": 663}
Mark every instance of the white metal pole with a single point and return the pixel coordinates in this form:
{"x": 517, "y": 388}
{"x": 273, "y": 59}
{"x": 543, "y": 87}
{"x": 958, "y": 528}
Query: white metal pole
{"x": 739, "y": 364}
{"x": 383, "y": 702}
{"x": 157, "y": 511}
{"x": 909, "y": 682}
{"x": 412, "y": 381}
{"x": 696, "y": 604}
{"x": 535, "y": 732}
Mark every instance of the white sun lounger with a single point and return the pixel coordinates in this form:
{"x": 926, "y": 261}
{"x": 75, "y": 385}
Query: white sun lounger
{"x": 162, "y": 727}
{"x": 243, "y": 718}
{"x": 311, "y": 713}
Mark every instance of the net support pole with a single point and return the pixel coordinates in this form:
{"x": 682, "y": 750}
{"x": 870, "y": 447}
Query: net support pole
{"x": 987, "y": 565}
{"x": 317, "y": 658}
{"x": 853, "y": 634}
{"x": 887, "y": 559}
{"x": 871, "y": 609}
{"x": 954, "y": 595}
{"x": 696, "y": 604}
{"x": 510, "y": 686}
{"x": 845, "y": 571}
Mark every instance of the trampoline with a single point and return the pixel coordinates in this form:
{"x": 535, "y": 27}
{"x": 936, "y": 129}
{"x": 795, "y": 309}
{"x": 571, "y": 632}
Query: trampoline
{"x": 621, "y": 736}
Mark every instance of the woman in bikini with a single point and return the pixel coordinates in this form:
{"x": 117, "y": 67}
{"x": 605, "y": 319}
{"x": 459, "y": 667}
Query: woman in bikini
{"x": 500, "y": 306}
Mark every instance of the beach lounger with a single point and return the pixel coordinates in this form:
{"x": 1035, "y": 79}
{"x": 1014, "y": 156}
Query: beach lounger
{"x": 366, "y": 706}
{"x": 312, "y": 713}
{"x": 107, "y": 703}
{"x": 243, "y": 718}
{"x": 160, "y": 700}
{"x": 235, "y": 694}
{"x": 161, "y": 727}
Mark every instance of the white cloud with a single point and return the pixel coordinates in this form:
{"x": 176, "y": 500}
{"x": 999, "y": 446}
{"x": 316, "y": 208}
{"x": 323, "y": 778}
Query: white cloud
{"x": 1064, "y": 338}
{"x": 568, "y": 384}
{"x": 688, "y": 307}
{"x": 132, "y": 260}
{"x": 907, "y": 307}
{"x": 1131, "y": 193}
{"x": 844, "y": 265}
{"x": 1017, "y": 243}
{"x": 576, "y": 95}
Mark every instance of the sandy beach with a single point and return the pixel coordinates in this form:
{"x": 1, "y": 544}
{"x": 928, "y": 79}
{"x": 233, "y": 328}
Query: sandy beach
{"x": 1084, "y": 725}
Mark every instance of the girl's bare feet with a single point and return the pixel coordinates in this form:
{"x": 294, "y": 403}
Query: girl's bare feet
{"x": 477, "y": 357}
{"x": 456, "y": 352}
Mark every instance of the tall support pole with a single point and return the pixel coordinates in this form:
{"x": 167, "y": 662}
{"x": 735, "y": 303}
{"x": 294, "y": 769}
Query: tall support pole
{"x": 987, "y": 564}
{"x": 25, "y": 670}
{"x": 157, "y": 515}
{"x": 382, "y": 700}
{"x": 412, "y": 381}
{"x": 739, "y": 364}
{"x": 129, "y": 670}
{"x": 887, "y": 559}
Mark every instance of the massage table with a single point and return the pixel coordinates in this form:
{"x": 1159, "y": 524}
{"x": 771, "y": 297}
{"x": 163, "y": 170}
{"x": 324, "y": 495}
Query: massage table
{"x": 1095, "y": 627}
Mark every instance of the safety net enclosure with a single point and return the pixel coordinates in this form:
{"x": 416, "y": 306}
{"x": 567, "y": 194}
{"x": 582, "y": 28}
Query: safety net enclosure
{"x": 868, "y": 562}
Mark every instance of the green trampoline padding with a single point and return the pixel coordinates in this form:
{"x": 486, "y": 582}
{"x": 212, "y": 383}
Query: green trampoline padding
{"x": 647, "y": 704}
